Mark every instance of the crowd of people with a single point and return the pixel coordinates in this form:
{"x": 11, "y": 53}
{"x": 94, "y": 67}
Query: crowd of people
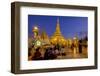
{"x": 52, "y": 52}
{"x": 49, "y": 53}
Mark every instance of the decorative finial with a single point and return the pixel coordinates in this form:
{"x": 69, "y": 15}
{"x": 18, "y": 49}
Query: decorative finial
{"x": 57, "y": 20}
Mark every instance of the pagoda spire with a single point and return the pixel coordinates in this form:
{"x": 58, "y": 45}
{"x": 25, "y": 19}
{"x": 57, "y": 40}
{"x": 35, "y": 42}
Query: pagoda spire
{"x": 57, "y": 37}
{"x": 58, "y": 32}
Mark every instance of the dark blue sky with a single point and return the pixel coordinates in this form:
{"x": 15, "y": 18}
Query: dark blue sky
{"x": 70, "y": 25}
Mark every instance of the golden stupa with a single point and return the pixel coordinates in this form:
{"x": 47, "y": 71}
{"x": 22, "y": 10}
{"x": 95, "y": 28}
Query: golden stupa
{"x": 44, "y": 38}
{"x": 57, "y": 37}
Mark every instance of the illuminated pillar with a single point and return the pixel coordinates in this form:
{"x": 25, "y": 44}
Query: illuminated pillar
{"x": 76, "y": 44}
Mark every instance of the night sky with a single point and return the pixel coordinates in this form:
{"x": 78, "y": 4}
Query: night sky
{"x": 70, "y": 25}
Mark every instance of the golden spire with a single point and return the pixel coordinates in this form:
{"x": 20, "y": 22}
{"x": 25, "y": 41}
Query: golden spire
{"x": 58, "y": 32}
{"x": 57, "y": 37}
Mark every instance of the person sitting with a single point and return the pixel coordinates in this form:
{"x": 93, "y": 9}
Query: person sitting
{"x": 37, "y": 55}
{"x": 49, "y": 54}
